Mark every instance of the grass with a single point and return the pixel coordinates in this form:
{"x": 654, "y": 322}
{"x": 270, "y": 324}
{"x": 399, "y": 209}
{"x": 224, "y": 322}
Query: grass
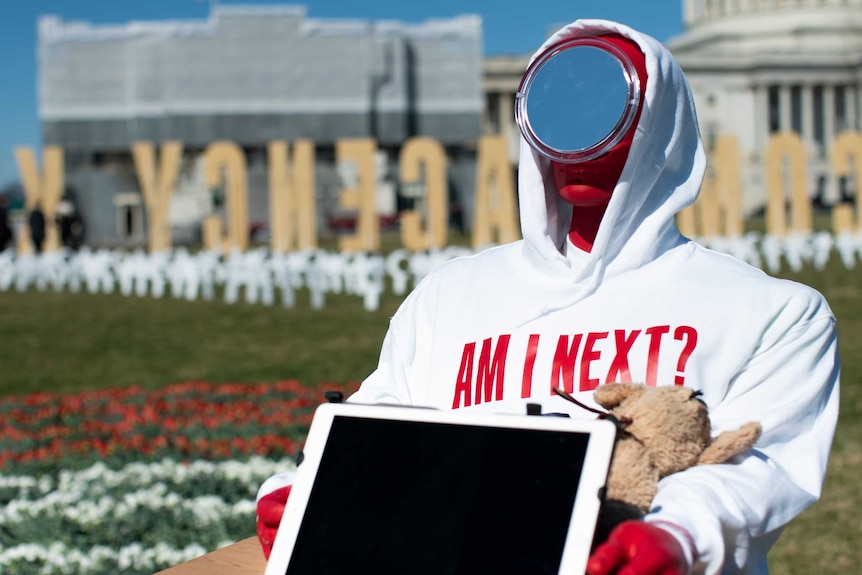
{"x": 67, "y": 342}
{"x": 827, "y": 538}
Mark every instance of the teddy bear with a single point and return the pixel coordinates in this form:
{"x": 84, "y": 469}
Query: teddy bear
{"x": 662, "y": 430}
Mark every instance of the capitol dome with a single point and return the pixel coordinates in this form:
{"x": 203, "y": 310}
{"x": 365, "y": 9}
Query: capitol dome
{"x": 761, "y": 67}
{"x": 746, "y": 33}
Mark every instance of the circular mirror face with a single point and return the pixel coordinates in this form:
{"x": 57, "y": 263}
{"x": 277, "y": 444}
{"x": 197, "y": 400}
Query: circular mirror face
{"x": 578, "y": 100}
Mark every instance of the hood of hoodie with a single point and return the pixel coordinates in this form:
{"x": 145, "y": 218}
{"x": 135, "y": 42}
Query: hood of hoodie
{"x": 662, "y": 175}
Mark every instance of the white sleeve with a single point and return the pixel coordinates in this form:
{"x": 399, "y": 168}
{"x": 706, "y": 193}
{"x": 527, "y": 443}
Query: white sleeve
{"x": 736, "y": 511}
{"x": 388, "y": 383}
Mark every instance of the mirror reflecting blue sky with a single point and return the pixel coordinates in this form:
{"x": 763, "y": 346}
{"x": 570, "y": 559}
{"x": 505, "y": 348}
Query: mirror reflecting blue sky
{"x": 577, "y": 98}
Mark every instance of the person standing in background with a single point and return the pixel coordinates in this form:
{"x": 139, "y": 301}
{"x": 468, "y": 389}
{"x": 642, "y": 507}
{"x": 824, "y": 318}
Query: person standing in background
{"x": 6, "y": 235}
{"x": 37, "y": 227}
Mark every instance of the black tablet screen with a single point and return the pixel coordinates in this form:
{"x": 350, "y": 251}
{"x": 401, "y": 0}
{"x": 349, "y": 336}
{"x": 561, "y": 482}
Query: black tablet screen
{"x": 411, "y": 497}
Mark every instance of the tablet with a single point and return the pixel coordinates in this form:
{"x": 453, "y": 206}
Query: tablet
{"x": 395, "y": 490}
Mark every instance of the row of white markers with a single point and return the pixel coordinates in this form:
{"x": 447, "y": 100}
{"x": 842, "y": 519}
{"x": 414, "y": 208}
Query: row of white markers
{"x": 256, "y": 276}
{"x": 268, "y": 278}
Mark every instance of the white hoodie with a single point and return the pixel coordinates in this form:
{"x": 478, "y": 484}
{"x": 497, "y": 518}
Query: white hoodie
{"x": 497, "y": 330}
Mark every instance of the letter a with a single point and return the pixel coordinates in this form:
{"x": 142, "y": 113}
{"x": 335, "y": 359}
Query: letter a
{"x": 465, "y": 377}
{"x": 495, "y": 194}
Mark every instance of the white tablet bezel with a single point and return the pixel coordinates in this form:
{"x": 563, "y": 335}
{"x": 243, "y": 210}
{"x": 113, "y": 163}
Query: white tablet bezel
{"x": 587, "y": 502}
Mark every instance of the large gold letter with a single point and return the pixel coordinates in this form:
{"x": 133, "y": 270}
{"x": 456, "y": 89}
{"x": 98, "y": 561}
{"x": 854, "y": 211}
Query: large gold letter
{"x": 157, "y": 187}
{"x": 423, "y": 160}
{"x": 786, "y": 149}
{"x": 45, "y": 189}
{"x": 728, "y": 184}
{"x": 495, "y": 194}
{"x": 847, "y": 161}
{"x": 718, "y": 209}
{"x": 360, "y": 195}
{"x": 228, "y": 157}
{"x": 292, "y": 212}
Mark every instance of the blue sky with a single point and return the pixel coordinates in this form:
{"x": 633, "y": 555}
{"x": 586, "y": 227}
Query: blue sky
{"x": 508, "y": 28}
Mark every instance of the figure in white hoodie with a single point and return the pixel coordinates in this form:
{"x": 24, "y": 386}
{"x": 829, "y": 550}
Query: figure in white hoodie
{"x": 603, "y": 288}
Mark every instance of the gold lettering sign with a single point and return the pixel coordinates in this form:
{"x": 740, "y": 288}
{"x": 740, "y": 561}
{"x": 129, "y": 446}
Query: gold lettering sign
{"x": 44, "y": 189}
{"x": 847, "y": 161}
{"x": 423, "y": 162}
{"x": 357, "y": 156}
{"x": 718, "y": 209}
{"x": 786, "y": 168}
{"x": 707, "y": 208}
{"x": 211, "y": 234}
{"x": 495, "y": 208}
{"x": 686, "y": 220}
{"x": 292, "y": 213}
{"x": 728, "y": 184}
{"x": 157, "y": 187}
{"x": 224, "y": 164}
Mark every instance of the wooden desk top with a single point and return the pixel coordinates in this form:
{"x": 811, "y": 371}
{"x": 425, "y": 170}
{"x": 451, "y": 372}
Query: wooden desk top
{"x": 242, "y": 558}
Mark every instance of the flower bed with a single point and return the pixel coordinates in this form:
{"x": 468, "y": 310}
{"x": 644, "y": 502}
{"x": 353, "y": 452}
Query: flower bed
{"x": 134, "y": 481}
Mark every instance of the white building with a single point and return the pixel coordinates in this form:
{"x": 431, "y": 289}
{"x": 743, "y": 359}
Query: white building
{"x": 250, "y": 74}
{"x": 756, "y": 67}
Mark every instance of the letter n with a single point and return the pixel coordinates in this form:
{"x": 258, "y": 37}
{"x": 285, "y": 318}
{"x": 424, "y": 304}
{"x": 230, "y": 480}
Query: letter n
{"x": 563, "y": 370}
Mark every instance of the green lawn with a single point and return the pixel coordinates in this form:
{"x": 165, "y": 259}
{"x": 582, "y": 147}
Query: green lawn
{"x": 827, "y": 539}
{"x": 66, "y": 342}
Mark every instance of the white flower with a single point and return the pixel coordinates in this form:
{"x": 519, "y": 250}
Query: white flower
{"x": 94, "y": 501}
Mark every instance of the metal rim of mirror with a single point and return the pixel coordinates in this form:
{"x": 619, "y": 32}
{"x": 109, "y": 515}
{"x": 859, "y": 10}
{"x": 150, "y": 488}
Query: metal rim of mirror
{"x": 626, "y": 117}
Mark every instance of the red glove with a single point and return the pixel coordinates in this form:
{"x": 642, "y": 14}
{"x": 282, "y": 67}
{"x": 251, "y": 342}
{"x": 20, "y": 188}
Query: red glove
{"x": 270, "y": 508}
{"x": 638, "y": 548}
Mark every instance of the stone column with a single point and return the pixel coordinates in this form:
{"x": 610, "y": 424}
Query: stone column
{"x": 828, "y": 115}
{"x": 831, "y": 194}
{"x": 857, "y": 105}
{"x": 761, "y": 114}
{"x": 850, "y": 107}
{"x": 807, "y": 106}
{"x": 785, "y": 122}
{"x": 690, "y": 10}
